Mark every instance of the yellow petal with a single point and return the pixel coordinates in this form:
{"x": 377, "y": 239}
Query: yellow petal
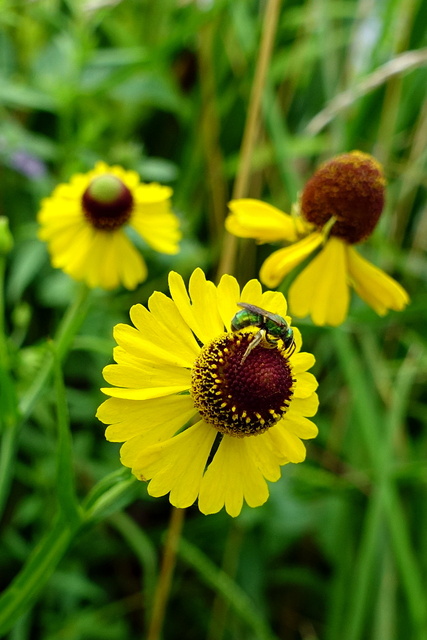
{"x": 305, "y": 406}
{"x": 130, "y": 418}
{"x": 281, "y": 262}
{"x": 299, "y": 425}
{"x": 374, "y": 286}
{"x": 71, "y": 244}
{"x": 321, "y": 289}
{"x": 153, "y": 219}
{"x": 228, "y": 295}
{"x": 265, "y": 456}
{"x": 113, "y": 260}
{"x": 232, "y": 477}
{"x": 252, "y": 292}
{"x": 147, "y": 375}
{"x": 177, "y": 465}
{"x": 138, "y": 346}
{"x": 275, "y": 302}
{"x": 163, "y": 326}
{"x": 201, "y": 314}
{"x": 302, "y": 361}
{"x": 153, "y": 193}
{"x": 131, "y": 266}
{"x": 287, "y": 443}
{"x": 255, "y": 219}
{"x": 305, "y": 385}
{"x": 145, "y": 394}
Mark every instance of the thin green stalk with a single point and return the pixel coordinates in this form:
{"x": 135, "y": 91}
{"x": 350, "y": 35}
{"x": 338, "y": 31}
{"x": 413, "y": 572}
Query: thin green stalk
{"x": 230, "y": 563}
{"x": 69, "y": 326}
{"x": 162, "y": 592}
{"x": 240, "y": 190}
{"x": 4, "y": 356}
{"x": 66, "y": 331}
{"x": 64, "y": 458}
{"x": 210, "y": 129}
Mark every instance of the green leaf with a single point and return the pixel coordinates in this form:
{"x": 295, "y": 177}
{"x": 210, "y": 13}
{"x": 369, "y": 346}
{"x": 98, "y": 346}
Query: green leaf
{"x": 25, "y": 588}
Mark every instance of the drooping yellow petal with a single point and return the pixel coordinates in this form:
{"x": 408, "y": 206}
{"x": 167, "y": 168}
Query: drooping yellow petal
{"x": 176, "y": 466}
{"x": 321, "y": 289}
{"x": 232, "y": 477}
{"x": 374, "y": 286}
{"x": 251, "y": 218}
{"x": 131, "y": 267}
{"x": 281, "y": 262}
{"x": 63, "y": 251}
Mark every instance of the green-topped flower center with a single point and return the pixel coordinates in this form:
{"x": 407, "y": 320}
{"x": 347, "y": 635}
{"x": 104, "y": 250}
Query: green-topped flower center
{"x": 241, "y": 399}
{"x": 350, "y": 188}
{"x": 107, "y": 202}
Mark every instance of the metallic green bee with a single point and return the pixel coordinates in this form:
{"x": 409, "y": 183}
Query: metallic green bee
{"x": 272, "y": 328}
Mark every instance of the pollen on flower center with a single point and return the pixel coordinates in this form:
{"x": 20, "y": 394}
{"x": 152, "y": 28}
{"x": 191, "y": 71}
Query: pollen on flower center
{"x": 107, "y": 202}
{"x": 241, "y": 399}
{"x": 350, "y": 188}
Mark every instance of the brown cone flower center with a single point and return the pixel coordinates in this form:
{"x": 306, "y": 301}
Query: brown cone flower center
{"x": 350, "y": 188}
{"x": 107, "y": 202}
{"x": 241, "y": 399}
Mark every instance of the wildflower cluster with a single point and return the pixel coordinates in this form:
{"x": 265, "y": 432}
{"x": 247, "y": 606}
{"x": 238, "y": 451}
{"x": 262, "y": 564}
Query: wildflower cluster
{"x": 210, "y": 391}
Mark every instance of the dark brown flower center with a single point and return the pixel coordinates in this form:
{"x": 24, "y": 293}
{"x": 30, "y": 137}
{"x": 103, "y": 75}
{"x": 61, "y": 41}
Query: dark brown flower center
{"x": 241, "y": 399}
{"x": 107, "y": 202}
{"x": 350, "y": 187}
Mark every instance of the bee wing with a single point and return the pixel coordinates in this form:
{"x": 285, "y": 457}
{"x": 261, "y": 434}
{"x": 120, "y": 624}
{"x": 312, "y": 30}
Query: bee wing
{"x": 281, "y": 322}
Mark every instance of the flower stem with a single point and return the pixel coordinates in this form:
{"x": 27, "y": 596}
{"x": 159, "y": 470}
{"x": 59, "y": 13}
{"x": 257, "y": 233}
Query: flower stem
{"x": 161, "y": 594}
{"x": 4, "y": 356}
{"x": 251, "y": 130}
{"x": 65, "y": 334}
{"x": 63, "y": 339}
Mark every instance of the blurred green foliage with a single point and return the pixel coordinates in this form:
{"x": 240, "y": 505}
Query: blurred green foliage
{"x": 162, "y": 87}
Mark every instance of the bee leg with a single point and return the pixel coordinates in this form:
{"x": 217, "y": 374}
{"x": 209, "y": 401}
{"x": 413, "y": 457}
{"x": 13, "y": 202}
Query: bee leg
{"x": 259, "y": 337}
{"x": 292, "y": 348}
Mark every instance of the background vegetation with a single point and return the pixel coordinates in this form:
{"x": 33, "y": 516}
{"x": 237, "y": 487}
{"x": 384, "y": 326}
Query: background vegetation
{"x": 162, "y": 86}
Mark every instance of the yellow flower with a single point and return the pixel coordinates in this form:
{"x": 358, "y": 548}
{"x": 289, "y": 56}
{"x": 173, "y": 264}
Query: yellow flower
{"x": 83, "y": 223}
{"x": 340, "y": 206}
{"x": 196, "y": 420}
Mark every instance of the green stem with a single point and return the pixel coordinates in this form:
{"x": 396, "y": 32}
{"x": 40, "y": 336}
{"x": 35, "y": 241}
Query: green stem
{"x": 4, "y": 356}
{"x": 66, "y": 331}
{"x": 240, "y": 189}
{"x": 65, "y": 334}
{"x": 162, "y": 592}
